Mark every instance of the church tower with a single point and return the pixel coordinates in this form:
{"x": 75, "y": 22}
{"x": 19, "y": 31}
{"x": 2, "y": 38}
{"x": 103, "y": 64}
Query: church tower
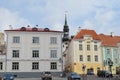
{"x": 66, "y": 30}
{"x": 65, "y": 40}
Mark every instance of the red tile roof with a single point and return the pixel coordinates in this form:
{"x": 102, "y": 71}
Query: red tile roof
{"x": 34, "y": 29}
{"x": 108, "y": 40}
{"x": 87, "y": 32}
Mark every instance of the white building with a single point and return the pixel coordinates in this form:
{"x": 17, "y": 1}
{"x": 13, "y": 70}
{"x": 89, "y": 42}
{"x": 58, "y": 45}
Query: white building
{"x": 33, "y": 50}
{"x": 2, "y": 53}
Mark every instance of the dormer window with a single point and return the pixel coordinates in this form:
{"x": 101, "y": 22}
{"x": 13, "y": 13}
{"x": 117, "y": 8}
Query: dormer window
{"x": 34, "y": 29}
{"x": 23, "y": 29}
{"x": 46, "y": 29}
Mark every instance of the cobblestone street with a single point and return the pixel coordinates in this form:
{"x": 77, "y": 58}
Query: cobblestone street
{"x": 89, "y": 77}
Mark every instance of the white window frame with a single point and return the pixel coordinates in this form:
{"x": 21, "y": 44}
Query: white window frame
{"x": 35, "y": 65}
{"x": 81, "y": 57}
{"x": 96, "y": 58}
{"x": 108, "y": 51}
{"x": 35, "y": 39}
{"x": 95, "y": 47}
{"x": 53, "y": 53}
{"x": 16, "y": 39}
{"x": 53, "y": 40}
{"x": 15, "y": 65}
{"x": 53, "y": 65}
{"x": 35, "y": 53}
{"x": 15, "y": 53}
{"x": 88, "y": 47}
{"x": 88, "y": 58}
{"x": 80, "y": 47}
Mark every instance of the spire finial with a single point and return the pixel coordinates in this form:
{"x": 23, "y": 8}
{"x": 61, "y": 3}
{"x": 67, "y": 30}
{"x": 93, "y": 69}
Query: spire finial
{"x": 65, "y": 17}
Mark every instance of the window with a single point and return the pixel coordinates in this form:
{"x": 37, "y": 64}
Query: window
{"x": 53, "y": 53}
{"x": 88, "y": 47}
{"x": 96, "y": 58}
{"x": 1, "y": 65}
{"x": 35, "y": 39}
{"x": 16, "y": 39}
{"x": 53, "y": 40}
{"x": 15, "y": 65}
{"x": 88, "y": 58}
{"x": 115, "y": 51}
{"x": 80, "y": 46}
{"x": 53, "y": 65}
{"x": 35, "y": 65}
{"x": 81, "y": 57}
{"x": 35, "y": 53}
{"x": 116, "y": 60}
{"x": 15, "y": 53}
{"x": 95, "y": 47}
{"x": 108, "y": 51}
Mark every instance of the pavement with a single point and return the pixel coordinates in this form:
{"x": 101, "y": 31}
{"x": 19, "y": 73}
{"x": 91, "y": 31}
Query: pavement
{"x": 88, "y": 77}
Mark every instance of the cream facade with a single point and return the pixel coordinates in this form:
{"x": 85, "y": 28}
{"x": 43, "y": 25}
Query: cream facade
{"x": 86, "y": 52}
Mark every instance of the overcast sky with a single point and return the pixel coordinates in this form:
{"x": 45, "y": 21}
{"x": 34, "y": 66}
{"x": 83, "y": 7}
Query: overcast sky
{"x": 103, "y": 16}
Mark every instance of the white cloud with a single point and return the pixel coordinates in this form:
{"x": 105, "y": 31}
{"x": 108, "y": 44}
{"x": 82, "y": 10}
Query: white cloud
{"x": 100, "y": 15}
{"x": 8, "y": 17}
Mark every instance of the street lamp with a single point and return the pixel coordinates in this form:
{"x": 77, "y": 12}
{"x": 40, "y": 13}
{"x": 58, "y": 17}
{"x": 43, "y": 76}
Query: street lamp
{"x": 83, "y": 69}
{"x": 61, "y": 61}
{"x": 110, "y": 64}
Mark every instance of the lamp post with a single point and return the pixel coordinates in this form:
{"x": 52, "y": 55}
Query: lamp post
{"x": 110, "y": 64}
{"x": 83, "y": 69}
{"x": 61, "y": 61}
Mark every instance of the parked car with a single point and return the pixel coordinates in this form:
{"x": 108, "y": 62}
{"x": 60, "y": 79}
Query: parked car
{"x": 90, "y": 73}
{"x": 74, "y": 76}
{"x": 8, "y": 77}
{"x": 46, "y": 76}
{"x": 103, "y": 73}
{"x": 0, "y": 77}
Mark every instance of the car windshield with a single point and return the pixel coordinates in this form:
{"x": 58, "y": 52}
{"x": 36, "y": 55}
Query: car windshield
{"x": 8, "y": 75}
{"x": 108, "y": 72}
{"x": 47, "y": 73}
{"x": 74, "y": 74}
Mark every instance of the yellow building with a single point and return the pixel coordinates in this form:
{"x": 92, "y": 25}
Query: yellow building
{"x": 2, "y": 38}
{"x": 84, "y": 50}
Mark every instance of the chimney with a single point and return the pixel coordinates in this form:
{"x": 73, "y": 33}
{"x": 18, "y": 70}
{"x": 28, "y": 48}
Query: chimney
{"x": 36, "y": 25}
{"x": 79, "y": 28}
{"x": 112, "y": 34}
{"x": 28, "y": 26}
{"x": 10, "y": 27}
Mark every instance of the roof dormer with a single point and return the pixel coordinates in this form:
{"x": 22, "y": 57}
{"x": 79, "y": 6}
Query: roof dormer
{"x": 23, "y": 29}
{"x": 46, "y": 29}
{"x": 34, "y": 29}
